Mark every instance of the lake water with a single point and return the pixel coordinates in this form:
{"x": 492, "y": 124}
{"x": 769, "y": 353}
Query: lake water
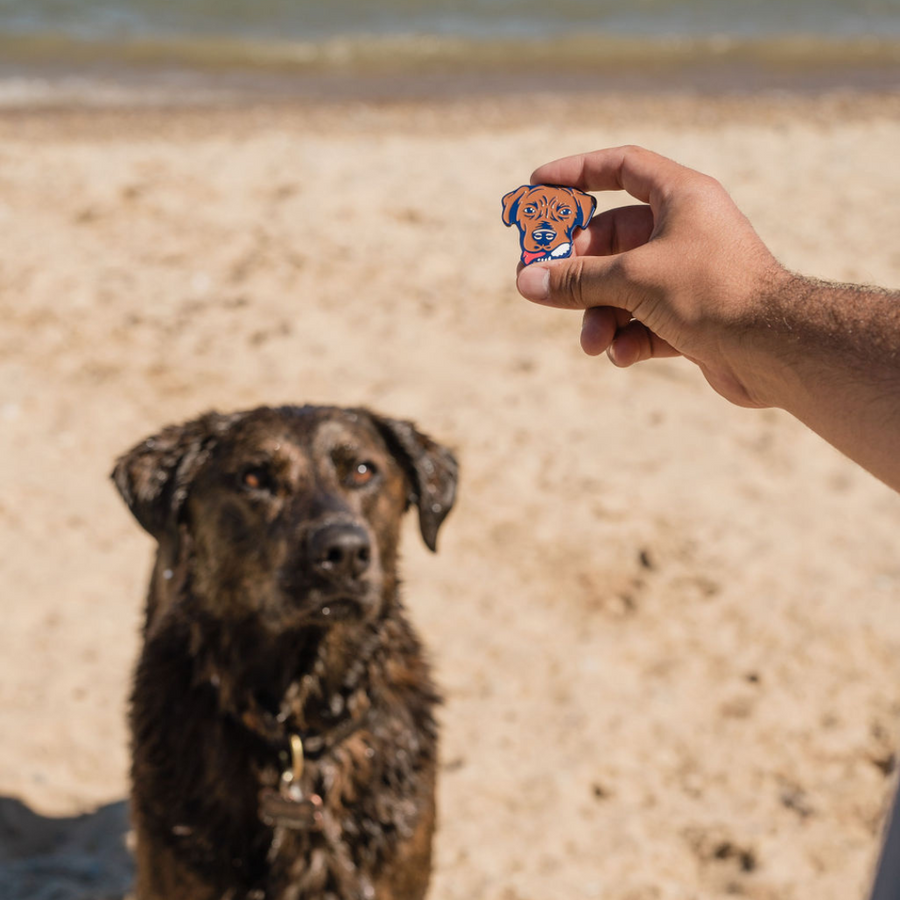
{"x": 562, "y": 39}
{"x": 312, "y": 20}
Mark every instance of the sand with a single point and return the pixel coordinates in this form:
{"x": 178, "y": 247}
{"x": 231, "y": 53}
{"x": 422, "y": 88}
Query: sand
{"x": 668, "y": 630}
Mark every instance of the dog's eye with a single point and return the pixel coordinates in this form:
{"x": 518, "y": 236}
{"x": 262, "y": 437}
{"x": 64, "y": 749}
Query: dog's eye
{"x": 361, "y": 474}
{"x": 529, "y": 211}
{"x": 565, "y": 211}
{"x": 258, "y": 478}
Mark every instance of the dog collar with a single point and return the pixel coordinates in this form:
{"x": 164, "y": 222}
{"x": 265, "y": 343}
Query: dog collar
{"x": 289, "y": 806}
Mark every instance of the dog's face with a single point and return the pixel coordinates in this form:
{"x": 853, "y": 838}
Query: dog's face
{"x": 547, "y": 217}
{"x": 291, "y": 515}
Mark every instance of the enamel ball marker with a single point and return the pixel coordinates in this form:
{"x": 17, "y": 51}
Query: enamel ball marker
{"x": 547, "y": 216}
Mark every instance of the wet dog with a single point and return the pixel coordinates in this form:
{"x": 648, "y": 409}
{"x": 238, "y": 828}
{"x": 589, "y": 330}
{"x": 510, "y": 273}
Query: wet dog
{"x": 282, "y": 715}
{"x": 547, "y": 217}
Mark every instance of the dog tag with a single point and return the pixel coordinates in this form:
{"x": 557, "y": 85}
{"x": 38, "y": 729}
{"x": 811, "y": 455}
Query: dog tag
{"x": 547, "y": 216}
{"x": 291, "y": 809}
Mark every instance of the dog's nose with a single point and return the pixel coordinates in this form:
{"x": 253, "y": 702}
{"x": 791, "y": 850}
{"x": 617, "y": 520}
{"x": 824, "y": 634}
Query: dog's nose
{"x": 340, "y": 552}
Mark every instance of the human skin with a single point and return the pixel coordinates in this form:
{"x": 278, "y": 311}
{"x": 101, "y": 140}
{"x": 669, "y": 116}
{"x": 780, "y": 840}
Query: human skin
{"x": 684, "y": 274}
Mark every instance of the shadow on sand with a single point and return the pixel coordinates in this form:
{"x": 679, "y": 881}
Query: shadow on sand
{"x": 76, "y": 858}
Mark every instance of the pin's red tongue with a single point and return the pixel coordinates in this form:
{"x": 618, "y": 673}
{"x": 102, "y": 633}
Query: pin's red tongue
{"x": 528, "y": 257}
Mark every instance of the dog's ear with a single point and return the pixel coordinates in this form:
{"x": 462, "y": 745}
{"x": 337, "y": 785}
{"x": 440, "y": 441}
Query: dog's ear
{"x": 431, "y": 469}
{"x": 511, "y": 204}
{"x": 586, "y": 205}
{"x": 155, "y": 476}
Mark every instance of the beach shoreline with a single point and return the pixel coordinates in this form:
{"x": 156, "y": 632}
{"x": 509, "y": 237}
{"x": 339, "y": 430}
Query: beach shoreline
{"x": 50, "y": 70}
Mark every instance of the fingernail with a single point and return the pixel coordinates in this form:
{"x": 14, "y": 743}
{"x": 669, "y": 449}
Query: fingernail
{"x": 534, "y": 283}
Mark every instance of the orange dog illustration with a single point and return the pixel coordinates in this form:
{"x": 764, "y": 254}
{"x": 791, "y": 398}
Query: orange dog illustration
{"x": 546, "y": 217}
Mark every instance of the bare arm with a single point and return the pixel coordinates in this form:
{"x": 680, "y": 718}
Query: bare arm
{"x": 686, "y": 274}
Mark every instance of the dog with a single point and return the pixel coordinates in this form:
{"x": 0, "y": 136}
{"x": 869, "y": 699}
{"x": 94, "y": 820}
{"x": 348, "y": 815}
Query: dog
{"x": 282, "y": 713}
{"x": 547, "y": 217}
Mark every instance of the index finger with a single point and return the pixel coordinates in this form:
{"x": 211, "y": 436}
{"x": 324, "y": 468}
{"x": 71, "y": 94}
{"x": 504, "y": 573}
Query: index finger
{"x": 644, "y": 174}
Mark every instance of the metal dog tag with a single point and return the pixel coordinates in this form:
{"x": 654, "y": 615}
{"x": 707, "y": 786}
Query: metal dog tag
{"x": 288, "y": 812}
{"x": 547, "y": 216}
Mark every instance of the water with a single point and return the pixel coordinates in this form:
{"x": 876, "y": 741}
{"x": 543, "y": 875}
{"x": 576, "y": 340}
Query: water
{"x": 315, "y": 20}
{"x": 561, "y": 40}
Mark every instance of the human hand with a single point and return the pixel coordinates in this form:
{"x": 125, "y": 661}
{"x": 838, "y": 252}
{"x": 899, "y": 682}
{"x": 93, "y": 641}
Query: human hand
{"x": 685, "y": 274}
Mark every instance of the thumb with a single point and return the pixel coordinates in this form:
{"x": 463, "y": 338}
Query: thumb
{"x": 580, "y": 283}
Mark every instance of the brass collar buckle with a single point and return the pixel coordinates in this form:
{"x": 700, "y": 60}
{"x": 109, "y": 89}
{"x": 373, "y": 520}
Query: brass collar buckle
{"x": 290, "y": 778}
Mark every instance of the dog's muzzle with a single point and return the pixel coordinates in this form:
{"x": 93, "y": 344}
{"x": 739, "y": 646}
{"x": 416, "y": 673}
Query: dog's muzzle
{"x": 338, "y": 563}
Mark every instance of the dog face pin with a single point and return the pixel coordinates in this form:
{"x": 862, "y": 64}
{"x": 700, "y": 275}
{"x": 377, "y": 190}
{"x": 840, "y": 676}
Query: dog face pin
{"x": 546, "y": 217}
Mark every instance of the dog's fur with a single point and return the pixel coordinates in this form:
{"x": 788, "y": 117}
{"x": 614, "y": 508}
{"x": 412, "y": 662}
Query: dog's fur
{"x": 547, "y": 217}
{"x": 273, "y": 610}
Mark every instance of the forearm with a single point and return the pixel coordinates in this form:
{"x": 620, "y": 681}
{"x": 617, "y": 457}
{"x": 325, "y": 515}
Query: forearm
{"x": 829, "y": 354}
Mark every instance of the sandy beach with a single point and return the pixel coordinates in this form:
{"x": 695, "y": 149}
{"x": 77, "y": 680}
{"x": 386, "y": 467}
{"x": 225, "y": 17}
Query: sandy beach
{"x": 668, "y": 630}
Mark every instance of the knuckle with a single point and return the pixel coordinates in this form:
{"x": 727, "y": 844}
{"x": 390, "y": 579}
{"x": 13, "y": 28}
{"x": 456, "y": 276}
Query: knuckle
{"x": 570, "y": 282}
{"x": 710, "y": 186}
{"x": 638, "y": 284}
{"x": 633, "y": 150}
{"x": 628, "y": 270}
{"x": 632, "y": 155}
{"x": 711, "y": 183}
{"x": 704, "y": 188}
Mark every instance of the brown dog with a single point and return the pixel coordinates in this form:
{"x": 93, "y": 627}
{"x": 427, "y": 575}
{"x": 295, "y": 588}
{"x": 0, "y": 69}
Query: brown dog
{"x": 547, "y": 217}
{"x": 284, "y": 742}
